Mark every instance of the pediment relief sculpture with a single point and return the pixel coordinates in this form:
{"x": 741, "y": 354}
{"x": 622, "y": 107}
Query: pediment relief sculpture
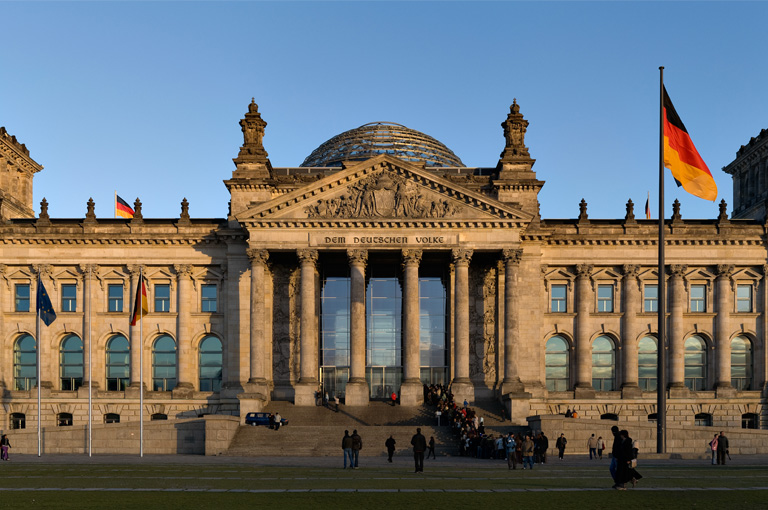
{"x": 383, "y": 195}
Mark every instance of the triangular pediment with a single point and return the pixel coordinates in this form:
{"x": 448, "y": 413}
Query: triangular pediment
{"x": 380, "y": 189}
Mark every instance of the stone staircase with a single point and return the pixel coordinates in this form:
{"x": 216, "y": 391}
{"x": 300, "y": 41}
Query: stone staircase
{"x": 317, "y": 431}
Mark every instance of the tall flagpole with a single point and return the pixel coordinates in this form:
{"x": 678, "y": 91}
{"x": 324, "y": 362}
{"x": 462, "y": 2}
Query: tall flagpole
{"x": 39, "y": 358}
{"x": 661, "y": 386}
{"x": 139, "y": 303}
{"x": 90, "y": 371}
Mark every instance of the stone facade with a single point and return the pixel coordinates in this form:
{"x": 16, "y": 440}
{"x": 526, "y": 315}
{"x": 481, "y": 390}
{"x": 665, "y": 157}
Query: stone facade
{"x": 253, "y": 282}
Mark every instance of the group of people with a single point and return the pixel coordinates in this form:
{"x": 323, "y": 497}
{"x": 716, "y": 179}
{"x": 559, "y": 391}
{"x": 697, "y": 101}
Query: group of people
{"x": 719, "y": 447}
{"x": 624, "y": 452}
{"x": 526, "y": 450}
{"x": 352, "y": 444}
{"x": 275, "y": 421}
{"x": 322, "y": 398}
{"x": 596, "y": 446}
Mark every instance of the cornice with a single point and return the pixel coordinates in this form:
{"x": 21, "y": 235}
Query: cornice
{"x": 106, "y": 242}
{"x": 383, "y": 223}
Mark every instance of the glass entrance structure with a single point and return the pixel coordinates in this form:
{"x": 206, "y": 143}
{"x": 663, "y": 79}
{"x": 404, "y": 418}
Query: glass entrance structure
{"x": 334, "y": 332}
{"x": 384, "y": 331}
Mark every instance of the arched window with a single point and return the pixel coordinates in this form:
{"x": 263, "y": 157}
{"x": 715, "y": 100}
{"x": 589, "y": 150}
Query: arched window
{"x": 603, "y": 364}
{"x": 71, "y": 363}
{"x": 118, "y": 363}
{"x": 647, "y": 358}
{"x": 703, "y": 420}
{"x": 741, "y": 363}
{"x": 24, "y": 363}
{"x": 111, "y": 418}
{"x": 695, "y": 363}
{"x": 164, "y": 364}
{"x": 64, "y": 419}
{"x": 556, "y": 360}
{"x": 18, "y": 421}
{"x": 211, "y": 360}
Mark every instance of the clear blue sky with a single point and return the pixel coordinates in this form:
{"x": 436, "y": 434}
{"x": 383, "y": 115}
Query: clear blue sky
{"x": 145, "y": 97}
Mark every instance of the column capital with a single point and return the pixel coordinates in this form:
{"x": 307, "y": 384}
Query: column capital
{"x": 584, "y": 270}
{"x": 357, "y": 257}
{"x": 257, "y": 256}
{"x": 89, "y": 269}
{"x": 183, "y": 270}
{"x": 725, "y": 270}
{"x": 677, "y": 270}
{"x": 135, "y": 269}
{"x": 412, "y": 257}
{"x": 307, "y": 256}
{"x": 461, "y": 257}
{"x": 512, "y": 256}
{"x": 43, "y": 270}
{"x": 630, "y": 271}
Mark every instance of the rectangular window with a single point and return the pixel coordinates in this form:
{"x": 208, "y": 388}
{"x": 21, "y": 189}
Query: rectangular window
{"x": 22, "y": 297}
{"x": 69, "y": 297}
{"x": 558, "y": 293}
{"x": 163, "y": 298}
{"x": 744, "y": 298}
{"x": 651, "y": 298}
{"x": 605, "y": 298}
{"x": 208, "y": 299}
{"x": 698, "y": 298}
{"x": 115, "y": 298}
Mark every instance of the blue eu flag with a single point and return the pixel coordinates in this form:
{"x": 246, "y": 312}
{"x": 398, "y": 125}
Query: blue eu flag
{"x": 44, "y": 306}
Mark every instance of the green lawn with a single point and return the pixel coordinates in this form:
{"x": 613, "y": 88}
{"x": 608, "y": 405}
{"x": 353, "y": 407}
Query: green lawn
{"x": 222, "y": 486}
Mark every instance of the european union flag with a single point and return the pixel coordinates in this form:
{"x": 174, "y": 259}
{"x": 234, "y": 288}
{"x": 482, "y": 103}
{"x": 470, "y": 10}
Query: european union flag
{"x": 44, "y": 306}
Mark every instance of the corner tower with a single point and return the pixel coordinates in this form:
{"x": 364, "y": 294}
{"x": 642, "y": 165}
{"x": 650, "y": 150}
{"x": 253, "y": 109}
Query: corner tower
{"x": 17, "y": 170}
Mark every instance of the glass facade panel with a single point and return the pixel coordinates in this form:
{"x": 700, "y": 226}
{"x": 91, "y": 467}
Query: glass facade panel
{"x": 650, "y": 298}
{"x": 647, "y": 363}
{"x": 71, "y": 363}
{"x": 211, "y": 363}
{"x": 698, "y": 298}
{"x": 741, "y": 363}
{"x": 69, "y": 297}
{"x": 558, "y": 303}
{"x": 433, "y": 316}
{"x": 164, "y": 364}
{"x": 162, "y": 298}
{"x": 384, "y": 330}
{"x": 24, "y": 363}
{"x": 115, "y": 298}
{"x": 603, "y": 364}
{"x": 605, "y": 298}
{"x": 118, "y": 363}
{"x": 556, "y": 360}
{"x": 334, "y": 332}
{"x": 21, "y": 291}
{"x": 695, "y": 363}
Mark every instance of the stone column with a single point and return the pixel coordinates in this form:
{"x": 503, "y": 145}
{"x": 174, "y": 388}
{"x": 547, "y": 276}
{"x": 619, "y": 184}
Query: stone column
{"x": 257, "y": 380}
{"x": 723, "y": 308}
{"x": 5, "y": 372}
{"x": 135, "y": 334}
{"x": 308, "y": 361}
{"x": 675, "y": 340}
{"x": 89, "y": 272}
{"x": 511, "y": 383}
{"x": 629, "y": 331}
{"x": 583, "y": 346}
{"x": 184, "y": 300}
{"x": 357, "y": 392}
{"x": 411, "y": 391}
{"x": 46, "y": 345}
{"x": 461, "y": 386}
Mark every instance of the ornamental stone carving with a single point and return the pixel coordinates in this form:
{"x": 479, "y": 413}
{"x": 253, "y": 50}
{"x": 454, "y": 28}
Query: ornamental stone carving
{"x": 512, "y": 256}
{"x": 584, "y": 270}
{"x": 678, "y": 270}
{"x": 183, "y": 270}
{"x": 89, "y": 269}
{"x": 382, "y": 196}
{"x": 307, "y": 256}
{"x": 257, "y": 256}
{"x": 630, "y": 271}
{"x": 357, "y": 257}
{"x": 136, "y": 269}
{"x": 461, "y": 257}
{"x": 412, "y": 257}
{"x": 725, "y": 270}
{"x": 43, "y": 270}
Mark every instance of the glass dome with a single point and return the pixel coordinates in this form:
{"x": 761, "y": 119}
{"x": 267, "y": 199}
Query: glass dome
{"x": 377, "y": 138}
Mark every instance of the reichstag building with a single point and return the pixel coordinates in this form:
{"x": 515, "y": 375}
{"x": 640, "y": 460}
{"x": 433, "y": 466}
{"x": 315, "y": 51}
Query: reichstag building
{"x": 382, "y": 262}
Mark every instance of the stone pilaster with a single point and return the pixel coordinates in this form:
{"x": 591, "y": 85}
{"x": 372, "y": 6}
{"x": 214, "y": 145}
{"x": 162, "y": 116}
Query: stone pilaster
{"x": 631, "y": 302}
{"x": 308, "y": 361}
{"x": 461, "y": 386}
{"x": 88, "y": 271}
{"x": 511, "y": 382}
{"x": 257, "y": 380}
{"x": 357, "y": 392}
{"x": 675, "y": 338}
{"x": 184, "y": 361}
{"x": 411, "y": 391}
{"x": 724, "y": 306}
{"x": 583, "y": 387}
{"x": 137, "y": 343}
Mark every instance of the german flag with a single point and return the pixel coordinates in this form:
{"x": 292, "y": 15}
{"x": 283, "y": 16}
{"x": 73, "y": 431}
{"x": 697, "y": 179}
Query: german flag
{"x": 681, "y": 156}
{"x": 122, "y": 209}
{"x": 141, "y": 307}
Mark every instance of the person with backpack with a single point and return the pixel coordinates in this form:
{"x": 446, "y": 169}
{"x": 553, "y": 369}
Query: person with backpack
{"x": 511, "y": 452}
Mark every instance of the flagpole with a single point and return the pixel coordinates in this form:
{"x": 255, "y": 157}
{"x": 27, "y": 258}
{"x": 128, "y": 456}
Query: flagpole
{"x": 114, "y": 205}
{"x": 141, "y": 363}
{"x": 661, "y": 386}
{"x": 39, "y": 346}
{"x": 90, "y": 372}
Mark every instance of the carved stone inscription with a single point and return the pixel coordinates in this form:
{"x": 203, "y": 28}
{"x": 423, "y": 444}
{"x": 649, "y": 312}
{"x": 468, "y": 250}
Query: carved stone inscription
{"x": 393, "y": 239}
{"x": 382, "y": 196}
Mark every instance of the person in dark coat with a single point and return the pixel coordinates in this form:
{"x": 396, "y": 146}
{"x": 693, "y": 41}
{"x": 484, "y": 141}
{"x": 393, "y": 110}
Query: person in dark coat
{"x": 625, "y": 472}
{"x": 614, "y": 454}
{"x": 390, "y": 444}
{"x": 419, "y": 443}
{"x": 560, "y": 445}
{"x": 357, "y": 445}
{"x": 431, "y": 447}
{"x": 722, "y": 448}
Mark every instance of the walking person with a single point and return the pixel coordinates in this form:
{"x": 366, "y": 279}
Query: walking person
{"x": 614, "y": 454}
{"x": 528, "y": 452}
{"x": 278, "y": 421}
{"x": 431, "y": 446}
{"x": 390, "y": 444}
{"x": 722, "y": 448}
{"x": 592, "y": 445}
{"x": 393, "y": 397}
{"x": 419, "y": 443}
{"x": 560, "y": 445}
{"x": 4, "y": 446}
{"x": 511, "y": 453}
{"x": 543, "y": 447}
{"x": 600, "y": 447}
{"x": 713, "y": 447}
{"x": 346, "y": 446}
{"x": 357, "y": 445}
